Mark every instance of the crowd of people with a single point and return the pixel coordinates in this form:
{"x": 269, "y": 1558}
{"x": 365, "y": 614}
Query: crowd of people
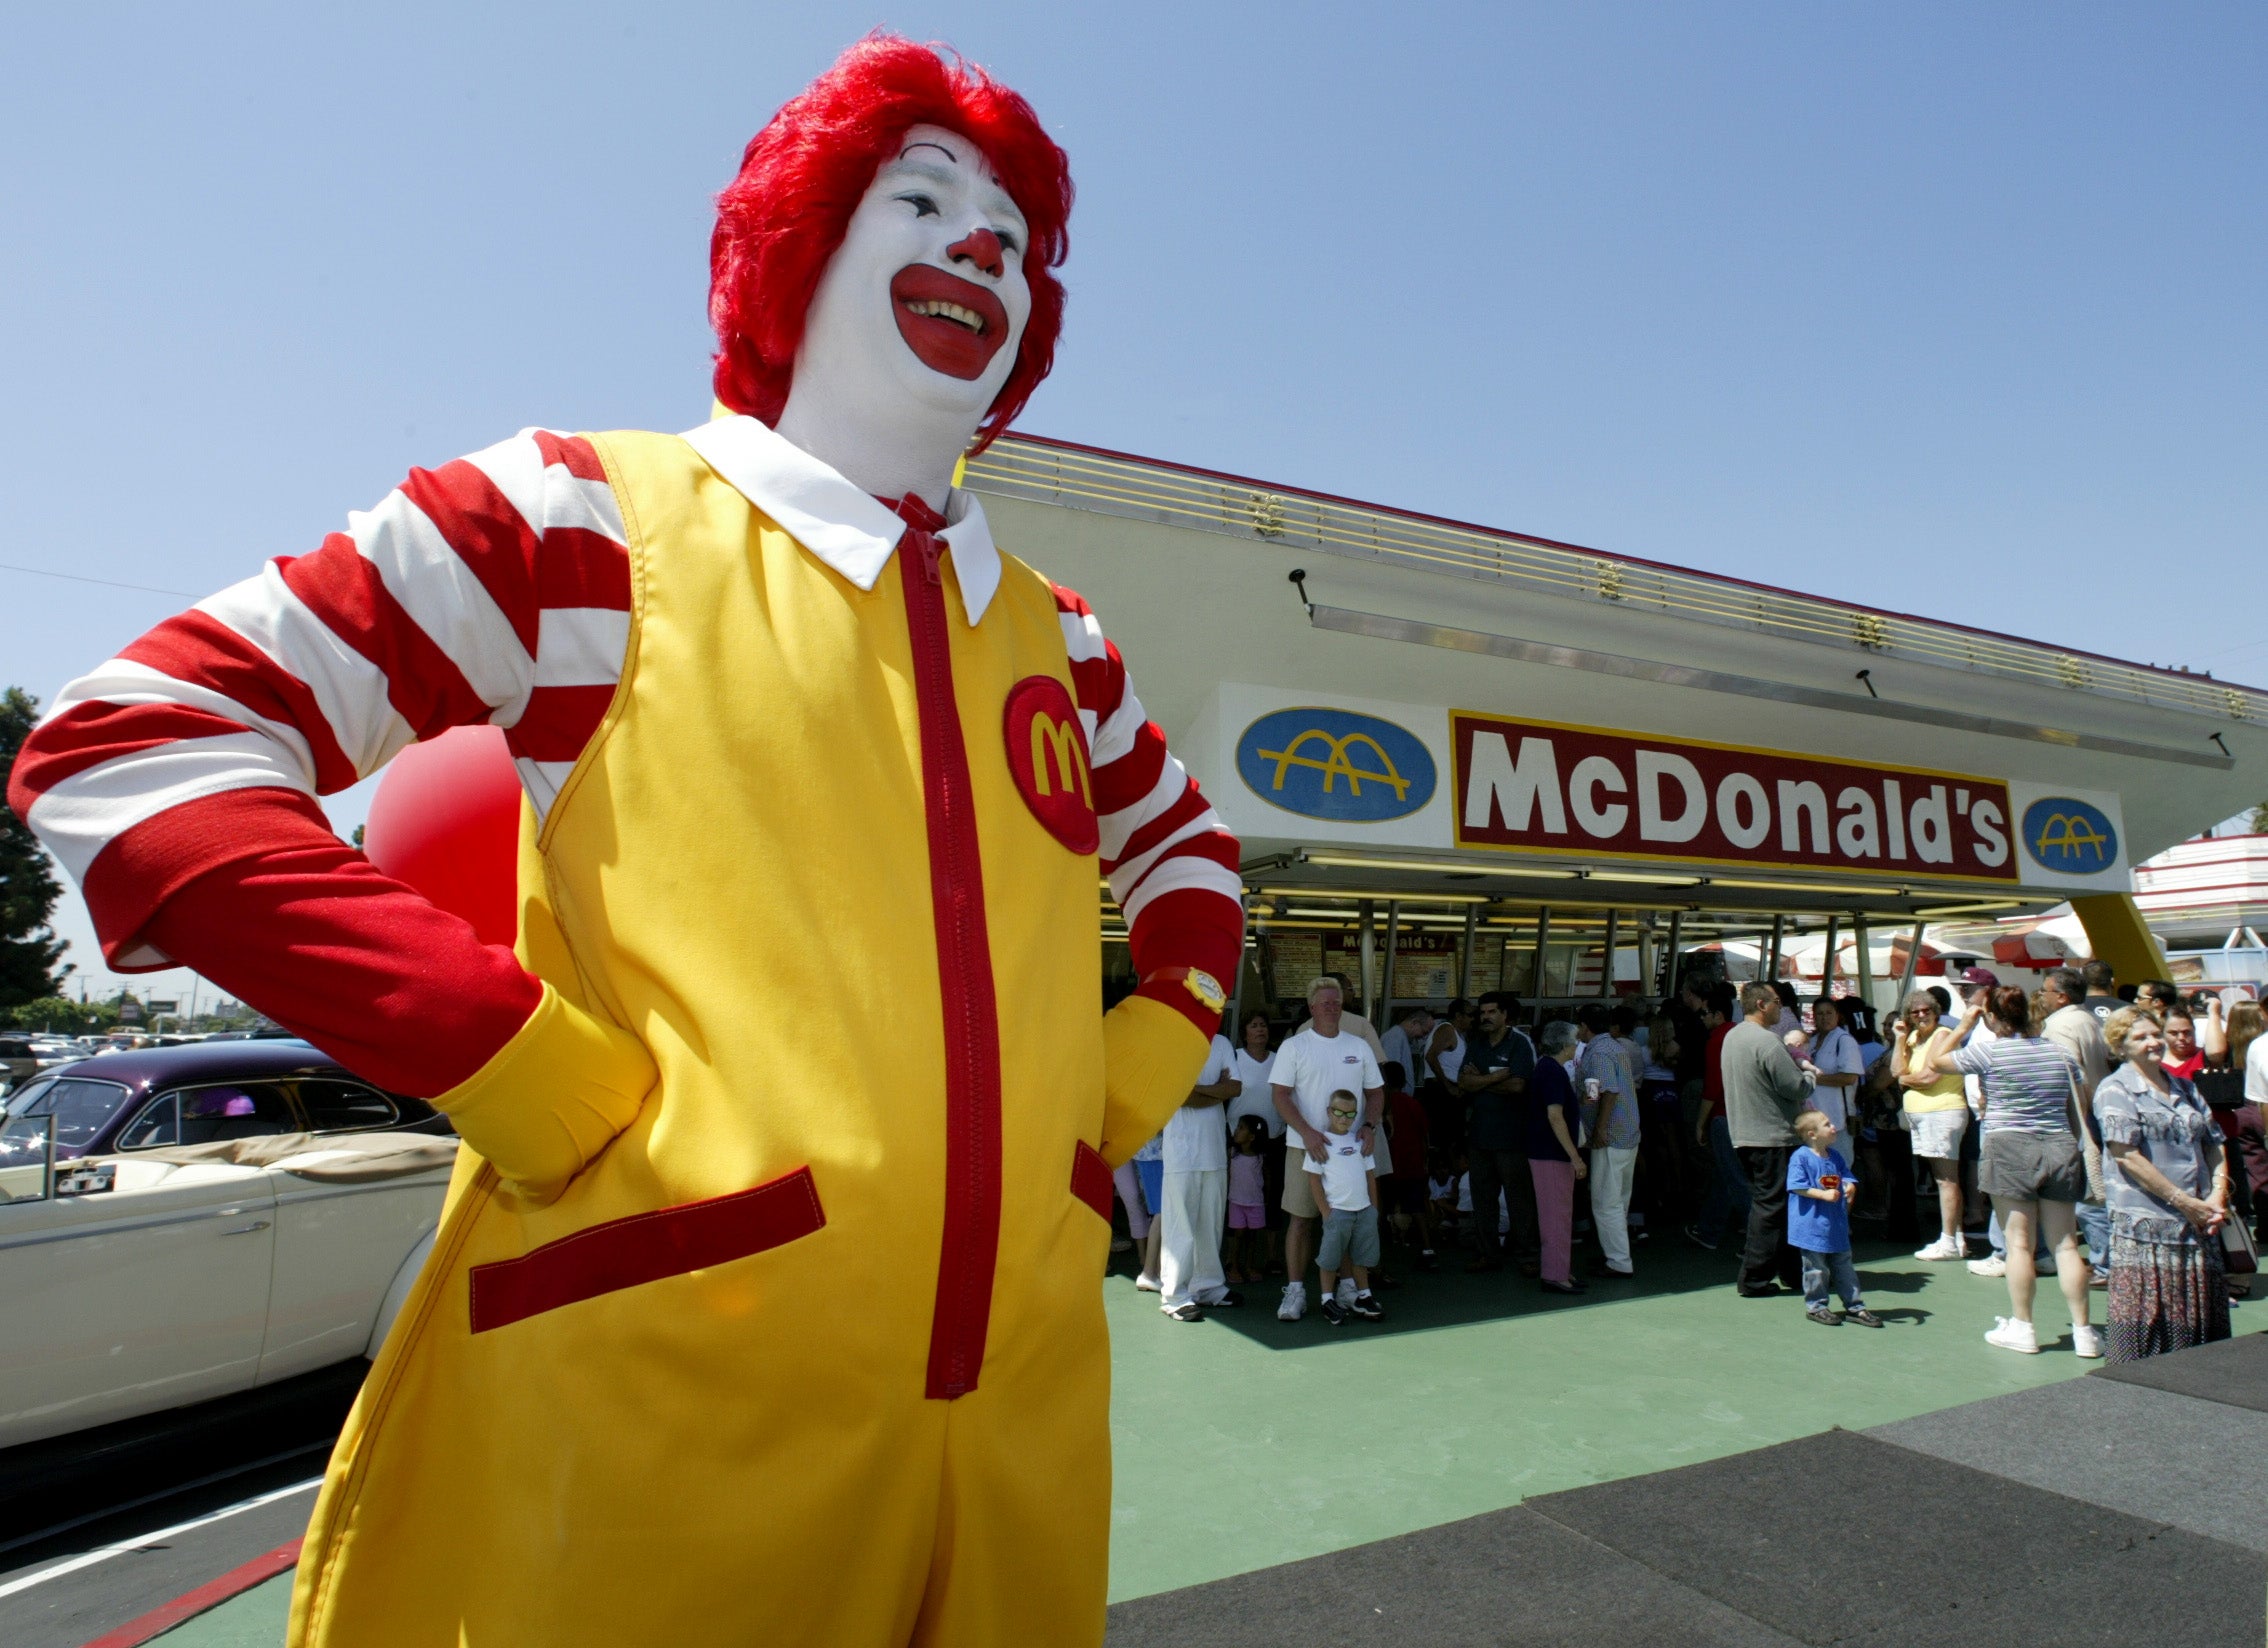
{"x": 2113, "y": 1138}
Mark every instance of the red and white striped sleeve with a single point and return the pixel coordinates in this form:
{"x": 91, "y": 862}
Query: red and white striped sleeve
{"x": 177, "y": 782}
{"x": 1172, "y": 863}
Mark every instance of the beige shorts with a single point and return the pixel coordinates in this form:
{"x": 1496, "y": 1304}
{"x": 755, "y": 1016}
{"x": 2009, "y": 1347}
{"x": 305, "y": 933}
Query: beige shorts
{"x": 1299, "y": 1184}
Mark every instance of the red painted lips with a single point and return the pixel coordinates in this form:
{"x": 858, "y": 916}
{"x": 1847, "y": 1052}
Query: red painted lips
{"x": 953, "y": 325}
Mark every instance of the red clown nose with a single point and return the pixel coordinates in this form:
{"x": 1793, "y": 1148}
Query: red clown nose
{"x": 446, "y": 820}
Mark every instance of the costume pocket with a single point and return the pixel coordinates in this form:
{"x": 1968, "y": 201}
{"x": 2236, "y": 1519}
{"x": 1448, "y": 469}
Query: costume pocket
{"x": 1091, "y": 1179}
{"x": 647, "y": 1247}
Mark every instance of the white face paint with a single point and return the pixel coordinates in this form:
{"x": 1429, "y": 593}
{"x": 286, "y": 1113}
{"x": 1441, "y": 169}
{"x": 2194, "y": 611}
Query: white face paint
{"x": 916, "y": 322}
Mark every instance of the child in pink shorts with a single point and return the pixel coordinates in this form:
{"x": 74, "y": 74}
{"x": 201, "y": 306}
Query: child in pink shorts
{"x": 1247, "y": 1201}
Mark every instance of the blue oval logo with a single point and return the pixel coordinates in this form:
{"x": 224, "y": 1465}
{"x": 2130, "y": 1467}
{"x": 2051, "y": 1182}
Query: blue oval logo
{"x": 1326, "y": 763}
{"x": 2069, "y": 837}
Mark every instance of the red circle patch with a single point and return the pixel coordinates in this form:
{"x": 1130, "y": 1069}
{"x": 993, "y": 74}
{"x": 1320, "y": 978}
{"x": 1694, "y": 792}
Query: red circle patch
{"x": 1047, "y": 753}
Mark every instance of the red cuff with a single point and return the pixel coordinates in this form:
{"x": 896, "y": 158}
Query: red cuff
{"x": 1190, "y": 927}
{"x": 256, "y": 894}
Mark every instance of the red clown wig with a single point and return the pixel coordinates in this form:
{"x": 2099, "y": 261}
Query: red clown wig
{"x": 780, "y": 220}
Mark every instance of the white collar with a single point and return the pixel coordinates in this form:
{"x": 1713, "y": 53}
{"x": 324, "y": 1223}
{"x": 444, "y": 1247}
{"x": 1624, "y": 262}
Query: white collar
{"x": 849, "y": 530}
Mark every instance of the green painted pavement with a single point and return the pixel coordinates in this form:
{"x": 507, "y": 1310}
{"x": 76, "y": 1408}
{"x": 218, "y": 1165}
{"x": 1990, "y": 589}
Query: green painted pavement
{"x": 254, "y": 1620}
{"x": 1243, "y": 1441}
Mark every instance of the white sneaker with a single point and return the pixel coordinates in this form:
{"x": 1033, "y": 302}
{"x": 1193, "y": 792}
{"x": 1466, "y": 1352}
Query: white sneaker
{"x": 1147, "y": 1284}
{"x": 1295, "y": 1302}
{"x": 1346, "y": 1290}
{"x": 1939, "y": 1249}
{"x": 1992, "y": 1264}
{"x": 2087, "y": 1342}
{"x": 2014, "y": 1335}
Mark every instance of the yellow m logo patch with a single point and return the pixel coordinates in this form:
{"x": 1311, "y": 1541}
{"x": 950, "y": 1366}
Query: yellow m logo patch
{"x": 1061, "y": 739}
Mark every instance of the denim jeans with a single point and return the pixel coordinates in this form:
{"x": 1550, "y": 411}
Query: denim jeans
{"x": 1726, "y": 1199}
{"x": 1822, "y": 1269}
{"x": 2094, "y": 1230}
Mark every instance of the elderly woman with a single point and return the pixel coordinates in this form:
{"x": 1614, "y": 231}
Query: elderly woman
{"x": 1554, "y": 1162}
{"x": 1937, "y": 1114}
{"x": 2167, "y": 1182}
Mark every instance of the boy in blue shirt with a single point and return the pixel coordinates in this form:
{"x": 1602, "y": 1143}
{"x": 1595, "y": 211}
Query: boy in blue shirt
{"x": 1820, "y": 1188}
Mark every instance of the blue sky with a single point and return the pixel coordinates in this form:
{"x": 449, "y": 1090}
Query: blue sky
{"x": 1951, "y": 310}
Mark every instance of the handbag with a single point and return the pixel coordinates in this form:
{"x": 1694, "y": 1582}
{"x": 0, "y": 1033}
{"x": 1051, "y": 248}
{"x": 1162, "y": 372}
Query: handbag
{"x": 2240, "y": 1256}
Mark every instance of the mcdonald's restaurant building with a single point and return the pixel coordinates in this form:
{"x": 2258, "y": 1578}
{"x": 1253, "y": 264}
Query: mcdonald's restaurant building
{"x": 1459, "y": 758}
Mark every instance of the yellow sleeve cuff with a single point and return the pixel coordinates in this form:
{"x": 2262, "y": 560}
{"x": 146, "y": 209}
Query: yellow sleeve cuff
{"x": 1152, "y": 1056}
{"x": 553, "y": 1097}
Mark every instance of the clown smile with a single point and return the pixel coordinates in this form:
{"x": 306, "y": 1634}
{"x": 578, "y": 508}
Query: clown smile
{"x": 953, "y": 326}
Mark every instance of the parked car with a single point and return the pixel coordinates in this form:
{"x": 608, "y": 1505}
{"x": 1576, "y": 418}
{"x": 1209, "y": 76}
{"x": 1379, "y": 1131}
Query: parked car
{"x": 149, "y": 1097}
{"x": 18, "y": 1062}
{"x": 141, "y": 1273}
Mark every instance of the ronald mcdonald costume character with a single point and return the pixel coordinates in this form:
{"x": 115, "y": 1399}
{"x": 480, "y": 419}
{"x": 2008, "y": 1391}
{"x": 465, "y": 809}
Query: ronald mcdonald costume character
{"x": 764, "y": 1307}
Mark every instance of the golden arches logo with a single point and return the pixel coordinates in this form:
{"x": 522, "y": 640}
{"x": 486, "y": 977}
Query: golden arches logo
{"x": 1062, "y": 738}
{"x": 1336, "y": 763}
{"x": 2072, "y": 834}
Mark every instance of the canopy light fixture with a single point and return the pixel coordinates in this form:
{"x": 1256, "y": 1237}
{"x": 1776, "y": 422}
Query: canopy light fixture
{"x": 1379, "y": 894}
{"x": 1434, "y": 867}
{"x": 1809, "y": 887}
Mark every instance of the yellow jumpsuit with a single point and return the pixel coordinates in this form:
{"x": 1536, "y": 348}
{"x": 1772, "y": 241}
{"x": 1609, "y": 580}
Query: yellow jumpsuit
{"x": 813, "y": 1351}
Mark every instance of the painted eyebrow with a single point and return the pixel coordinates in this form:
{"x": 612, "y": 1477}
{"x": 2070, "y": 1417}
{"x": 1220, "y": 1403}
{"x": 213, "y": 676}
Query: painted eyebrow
{"x": 925, "y": 143}
{"x": 943, "y": 176}
{"x": 1001, "y": 202}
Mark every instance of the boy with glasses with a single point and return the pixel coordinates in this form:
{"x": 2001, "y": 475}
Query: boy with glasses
{"x": 1346, "y": 1187}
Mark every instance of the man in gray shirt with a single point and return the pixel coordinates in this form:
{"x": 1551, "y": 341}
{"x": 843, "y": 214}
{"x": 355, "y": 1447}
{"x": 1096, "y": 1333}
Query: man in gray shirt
{"x": 1763, "y": 1092}
{"x": 2073, "y": 1025}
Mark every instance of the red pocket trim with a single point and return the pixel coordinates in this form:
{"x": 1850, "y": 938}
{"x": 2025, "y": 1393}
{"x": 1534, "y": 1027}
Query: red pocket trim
{"x": 1091, "y": 1179}
{"x": 646, "y": 1247}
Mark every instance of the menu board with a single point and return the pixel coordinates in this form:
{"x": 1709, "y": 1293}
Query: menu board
{"x": 1294, "y": 959}
{"x": 1425, "y": 966}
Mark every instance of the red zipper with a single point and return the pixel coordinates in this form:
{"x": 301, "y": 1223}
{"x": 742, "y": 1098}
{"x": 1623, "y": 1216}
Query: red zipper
{"x": 971, "y": 1244}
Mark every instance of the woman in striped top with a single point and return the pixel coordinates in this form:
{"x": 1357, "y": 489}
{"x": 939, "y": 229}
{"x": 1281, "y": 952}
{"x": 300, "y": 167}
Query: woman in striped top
{"x": 2033, "y": 1169}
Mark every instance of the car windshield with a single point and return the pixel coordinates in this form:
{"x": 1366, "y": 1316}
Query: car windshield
{"x": 81, "y": 1108}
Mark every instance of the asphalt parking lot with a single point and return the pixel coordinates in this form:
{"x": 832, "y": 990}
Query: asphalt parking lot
{"x": 100, "y": 1529}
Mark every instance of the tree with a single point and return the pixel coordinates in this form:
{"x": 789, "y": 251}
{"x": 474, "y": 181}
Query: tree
{"x": 29, "y": 948}
{"x": 2260, "y": 819}
{"x": 64, "y": 1016}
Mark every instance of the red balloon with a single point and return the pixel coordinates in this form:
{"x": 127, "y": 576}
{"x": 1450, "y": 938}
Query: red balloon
{"x": 446, "y": 820}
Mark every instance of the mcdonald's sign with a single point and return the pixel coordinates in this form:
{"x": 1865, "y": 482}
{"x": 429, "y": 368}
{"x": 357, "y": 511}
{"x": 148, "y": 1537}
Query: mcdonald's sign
{"x": 2069, "y": 836}
{"x": 1047, "y": 756}
{"x": 1335, "y": 764}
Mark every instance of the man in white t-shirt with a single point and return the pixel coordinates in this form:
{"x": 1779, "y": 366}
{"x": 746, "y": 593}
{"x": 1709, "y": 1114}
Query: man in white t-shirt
{"x": 1352, "y": 1023}
{"x": 1319, "y": 1060}
{"x": 1196, "y": 1193}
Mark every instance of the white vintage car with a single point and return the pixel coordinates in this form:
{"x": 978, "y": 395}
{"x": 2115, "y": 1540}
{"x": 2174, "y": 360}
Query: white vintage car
{"x": 214, "y": 1239}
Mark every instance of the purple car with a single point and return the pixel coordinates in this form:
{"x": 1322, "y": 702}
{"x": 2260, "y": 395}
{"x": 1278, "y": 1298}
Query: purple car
{"x": 206, "y": 1091}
